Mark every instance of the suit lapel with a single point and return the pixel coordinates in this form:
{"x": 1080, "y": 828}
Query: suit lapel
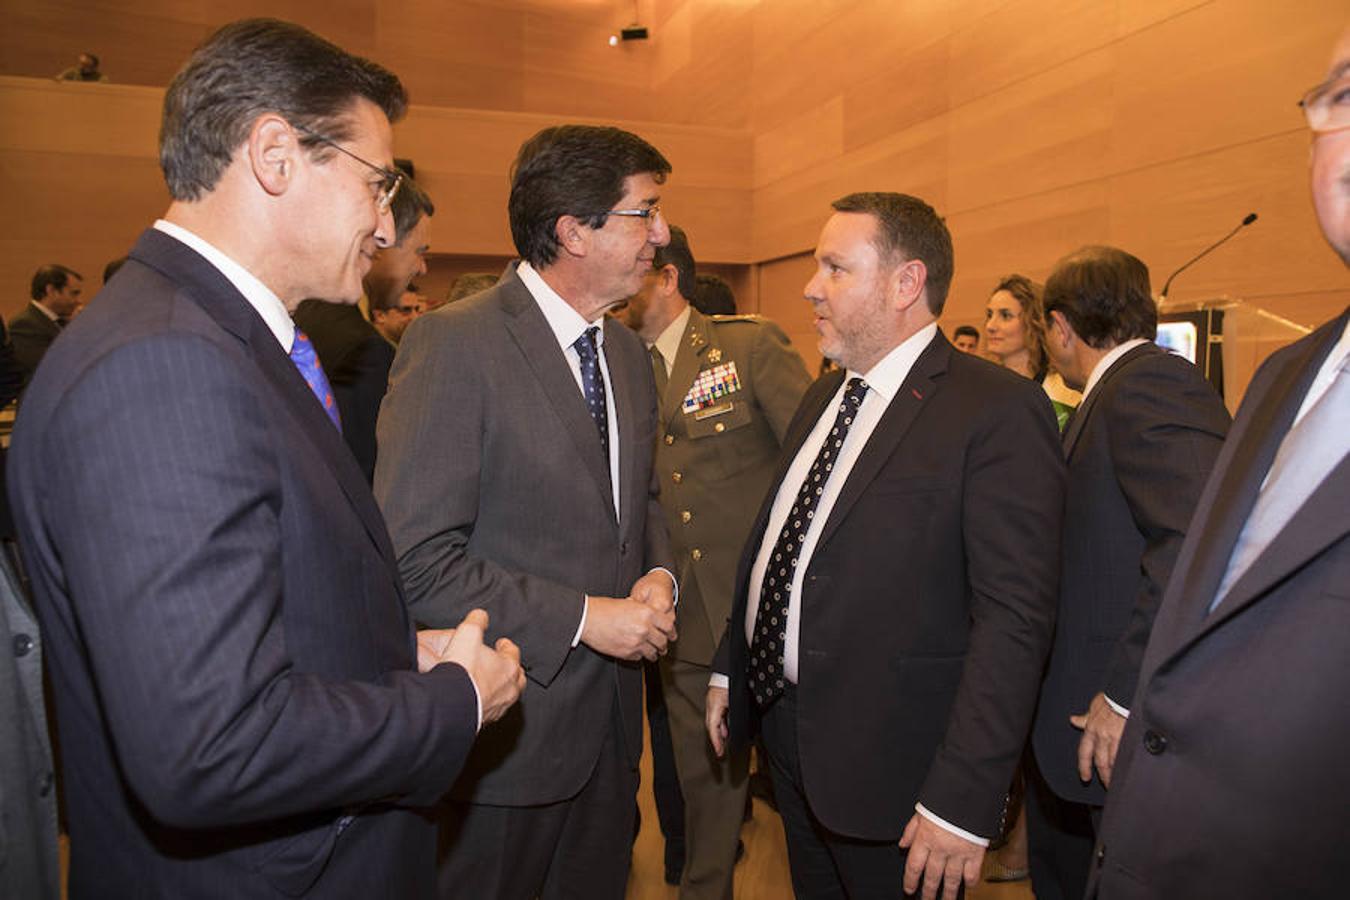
{"x": 1236, "y": 482}
{"x": 688, "y": 361}
{"x": 1084, "y": 411}
{"x": 214, "y": 293}
{"x": 544, "y": 358}
{"x": 918, "y": 388}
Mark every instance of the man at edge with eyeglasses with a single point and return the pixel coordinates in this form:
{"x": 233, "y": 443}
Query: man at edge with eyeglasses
{"x": 515, "y": 470}
{"x": 236, "y": 680}
{"x": 1230, "y": 776}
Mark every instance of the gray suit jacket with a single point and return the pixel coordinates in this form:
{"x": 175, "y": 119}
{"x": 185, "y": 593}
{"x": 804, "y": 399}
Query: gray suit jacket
{"x": 28, "y": 866}
{"x": 498, "y": 495}
{"x": 1230, "y": 780}
{"x": 1139, "y": 450}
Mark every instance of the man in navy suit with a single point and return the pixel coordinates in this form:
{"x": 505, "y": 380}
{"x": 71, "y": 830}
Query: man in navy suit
{"x": 1138, "y": 450}
{"x": 236, "y": 682}
{"x": 1229, "y": 781}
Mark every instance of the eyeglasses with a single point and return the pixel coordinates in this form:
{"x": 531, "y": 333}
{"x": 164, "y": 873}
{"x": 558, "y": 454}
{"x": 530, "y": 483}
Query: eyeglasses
{"x": 1327, "y": 106}
{"x": 646, "y": 212}
{"x": 390, "y": 181}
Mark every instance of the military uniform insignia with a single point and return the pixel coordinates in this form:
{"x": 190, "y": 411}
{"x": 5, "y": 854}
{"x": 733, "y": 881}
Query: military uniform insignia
{"x": 715, "y": 355}
{"x": 711, "y": 386}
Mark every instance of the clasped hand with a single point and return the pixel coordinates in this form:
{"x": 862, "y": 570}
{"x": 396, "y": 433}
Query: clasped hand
{"x": 639, "y": 626}
{"x": 495, "y": 671}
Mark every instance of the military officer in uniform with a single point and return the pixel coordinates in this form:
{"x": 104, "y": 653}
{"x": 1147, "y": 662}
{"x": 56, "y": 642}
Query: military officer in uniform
{"x": 729, "y": 386}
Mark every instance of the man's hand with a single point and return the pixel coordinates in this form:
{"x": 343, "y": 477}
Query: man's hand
{"x": 1102, "y": 727}
{"x": 627, "y": 628}
{"x": 715, "y": 717}
{"x": 938, "y": 858}
{"x": 656, "y": 589}
{"x": 495, "y": 672}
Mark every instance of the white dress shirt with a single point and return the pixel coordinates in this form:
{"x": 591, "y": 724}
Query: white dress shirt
{"x": 259, "y": 295}
{"x": 568, "y": 325}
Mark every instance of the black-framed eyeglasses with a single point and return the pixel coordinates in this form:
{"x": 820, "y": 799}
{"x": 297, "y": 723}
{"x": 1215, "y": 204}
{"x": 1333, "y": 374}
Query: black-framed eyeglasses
{"x": 647, "y": 213}
{"x": 390, "y": 182}
{"x": 1327, "y": 106}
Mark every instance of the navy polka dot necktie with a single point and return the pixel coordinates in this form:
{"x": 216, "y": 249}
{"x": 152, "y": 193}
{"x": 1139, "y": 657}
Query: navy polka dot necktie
{"x": 767, "y": 677}
{"x": 593, "y": 383}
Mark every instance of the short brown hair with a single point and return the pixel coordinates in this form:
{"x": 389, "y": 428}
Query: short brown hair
{"x": 908, "y": 228}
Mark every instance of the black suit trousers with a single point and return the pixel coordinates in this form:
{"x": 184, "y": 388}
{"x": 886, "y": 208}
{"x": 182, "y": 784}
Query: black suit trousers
{"x": 825, "y": 865}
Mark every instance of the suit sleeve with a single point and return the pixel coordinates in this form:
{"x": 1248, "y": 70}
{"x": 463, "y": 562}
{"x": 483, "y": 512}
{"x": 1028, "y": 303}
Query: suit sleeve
{"x": 1012, "y": 506}
{"x": 1165, "y": 431}
{"x": 172, "y": 542}
{"x": 780, "y": 377}
{"x": 432, "y": 429}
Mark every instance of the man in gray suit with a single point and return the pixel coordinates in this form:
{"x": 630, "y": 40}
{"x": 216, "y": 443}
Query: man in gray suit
{"x": 515, "y": 470}
{"x": 1229, "y": 780}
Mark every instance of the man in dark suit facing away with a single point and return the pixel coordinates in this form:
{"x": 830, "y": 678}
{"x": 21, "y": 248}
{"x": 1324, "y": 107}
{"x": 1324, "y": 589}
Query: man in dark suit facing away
{"x": 356, "y": 357}
{"x": 1230, "y": 778}
{"x": 236, "y": 680}
{"x": 516, "y": 473}
{"x": 895, "y": 601}
{"x": 1138, "y": 450}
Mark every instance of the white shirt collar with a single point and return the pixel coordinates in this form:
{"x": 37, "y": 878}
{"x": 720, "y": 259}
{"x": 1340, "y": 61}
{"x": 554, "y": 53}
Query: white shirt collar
{"x": 259, "y": 295}
{"x": 42, "y": 306}
{"x": 892, "y": 369}
{"x": 669, "y": 340}
{"x": 1107, "y": 361}
{"x": 566, "y": 322}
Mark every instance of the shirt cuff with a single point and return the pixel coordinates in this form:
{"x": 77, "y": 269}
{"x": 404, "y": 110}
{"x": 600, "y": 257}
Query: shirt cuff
{"x": 478, "y": 702}
{"x": 581, "y": 626}
{"x": 948, "y": 826}
{"x": 719, "y": 681}
{"x": 674, "y": 582}
{"x": 1120, "y": 710}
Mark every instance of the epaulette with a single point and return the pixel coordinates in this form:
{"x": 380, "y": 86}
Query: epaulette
{"x": 739, "y": 317}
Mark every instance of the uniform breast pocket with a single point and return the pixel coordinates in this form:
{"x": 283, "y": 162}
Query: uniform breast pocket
{"x": 723, "y": 426}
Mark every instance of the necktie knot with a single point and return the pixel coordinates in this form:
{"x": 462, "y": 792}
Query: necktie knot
{"x": 586, "y": 344}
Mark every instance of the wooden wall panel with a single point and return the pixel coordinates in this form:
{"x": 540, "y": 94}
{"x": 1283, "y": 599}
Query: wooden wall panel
{"x": 782, "y": 283}
{"x": 1045, "y": 132}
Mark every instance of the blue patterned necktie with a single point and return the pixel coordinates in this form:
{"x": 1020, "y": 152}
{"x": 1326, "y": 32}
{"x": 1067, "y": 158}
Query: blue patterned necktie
{"x": 593, "y": 383}
{"x": 307, "y": 361}
{"x": 1306, "y": 456}
{"x": 767, "y": 676}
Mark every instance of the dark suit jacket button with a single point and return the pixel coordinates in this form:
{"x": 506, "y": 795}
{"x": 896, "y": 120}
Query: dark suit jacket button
{"x": 45, "y": 784}
{"x": 623, "y": 549}
{"x": 1101, "y": 854}
{"x": 22, "y": 644}
{"x": 1154, "y": 743}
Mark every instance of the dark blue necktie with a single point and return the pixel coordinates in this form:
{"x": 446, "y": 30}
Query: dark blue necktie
{"x": 767, "y": 651}
{"x": 307, "y": 361}
{"x": 593, "y": 383}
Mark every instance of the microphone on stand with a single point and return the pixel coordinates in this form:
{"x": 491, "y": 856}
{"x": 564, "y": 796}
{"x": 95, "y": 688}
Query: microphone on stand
{"x": 1246, "y": 220}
